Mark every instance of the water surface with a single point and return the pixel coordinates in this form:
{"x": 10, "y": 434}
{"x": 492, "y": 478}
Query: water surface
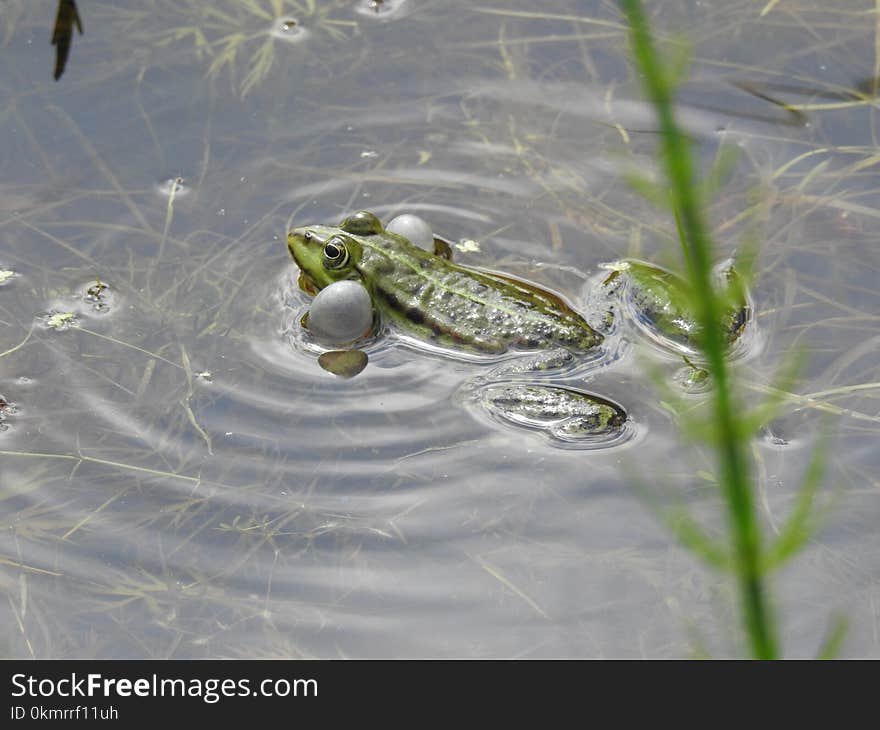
{"x": 178, "y": 479}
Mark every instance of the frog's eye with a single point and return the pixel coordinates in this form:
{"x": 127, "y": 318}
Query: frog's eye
{"x": 362, "y": 223}
{"x": 335, "y": 253}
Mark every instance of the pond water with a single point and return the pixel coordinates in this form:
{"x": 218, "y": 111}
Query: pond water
{"x": 178, "y": 479}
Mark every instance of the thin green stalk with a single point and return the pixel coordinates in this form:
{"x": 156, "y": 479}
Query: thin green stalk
{"x": 734, "y": 473}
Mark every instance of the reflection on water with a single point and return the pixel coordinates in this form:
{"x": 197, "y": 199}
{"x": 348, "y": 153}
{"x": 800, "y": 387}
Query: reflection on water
{"x": 178, "y": 479}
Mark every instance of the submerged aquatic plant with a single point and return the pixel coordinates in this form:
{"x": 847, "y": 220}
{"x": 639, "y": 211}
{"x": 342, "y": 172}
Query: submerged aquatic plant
{"x": 235, "y": 37}
{"x": 729, "y": 427}
{"x": 13, "y": 10}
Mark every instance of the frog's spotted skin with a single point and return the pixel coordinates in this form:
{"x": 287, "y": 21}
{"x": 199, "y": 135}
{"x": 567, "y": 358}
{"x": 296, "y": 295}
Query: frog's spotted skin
{"x": 431, "y": 298}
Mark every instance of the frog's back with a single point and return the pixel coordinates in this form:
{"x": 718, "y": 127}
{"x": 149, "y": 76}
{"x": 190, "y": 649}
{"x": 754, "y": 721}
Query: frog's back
{"x": 463, "y": 308}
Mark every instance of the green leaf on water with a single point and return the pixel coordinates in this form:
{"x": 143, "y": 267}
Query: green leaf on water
{"x": 678, "y": 56}
{"x": 778, "y": 395}
{"x": 689, "y": 533}
{"x": 830, "y": 648}
{"x": 692, "y": 536}
{"x": 648, "y": 188}
{"x": 725, "y": 162}
{"x": 802, "y": 522}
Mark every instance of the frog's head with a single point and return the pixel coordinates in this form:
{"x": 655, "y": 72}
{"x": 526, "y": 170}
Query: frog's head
{"x": 326, "y": 254}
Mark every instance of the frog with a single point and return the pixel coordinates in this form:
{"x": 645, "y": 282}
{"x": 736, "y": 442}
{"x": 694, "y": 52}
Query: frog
{"x": 493, "y": 315}
{"x": 488, "y": 315}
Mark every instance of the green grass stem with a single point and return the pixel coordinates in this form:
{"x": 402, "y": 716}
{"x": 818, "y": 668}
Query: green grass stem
{"x": 697, "y": 247}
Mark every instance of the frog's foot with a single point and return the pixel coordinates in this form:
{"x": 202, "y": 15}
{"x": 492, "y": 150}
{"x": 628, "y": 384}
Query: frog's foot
{"x": 547, "y": 360}
{"x": 692, "y": 378}
{"x": 566, "y": 415}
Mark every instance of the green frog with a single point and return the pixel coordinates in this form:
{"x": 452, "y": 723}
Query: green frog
{"x": 427, "y": 296}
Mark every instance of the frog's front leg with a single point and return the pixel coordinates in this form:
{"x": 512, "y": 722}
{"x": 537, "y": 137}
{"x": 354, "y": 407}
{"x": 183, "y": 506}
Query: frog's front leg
{"x": 539, "y": 362}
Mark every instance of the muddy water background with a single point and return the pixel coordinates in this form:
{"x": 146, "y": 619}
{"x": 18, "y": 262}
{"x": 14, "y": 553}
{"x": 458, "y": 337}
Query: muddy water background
{"x": 178, "y": 480}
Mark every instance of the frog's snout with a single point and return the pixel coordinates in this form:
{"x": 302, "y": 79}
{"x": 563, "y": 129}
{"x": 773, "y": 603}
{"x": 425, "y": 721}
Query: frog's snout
{"x": 295, "y": 240}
